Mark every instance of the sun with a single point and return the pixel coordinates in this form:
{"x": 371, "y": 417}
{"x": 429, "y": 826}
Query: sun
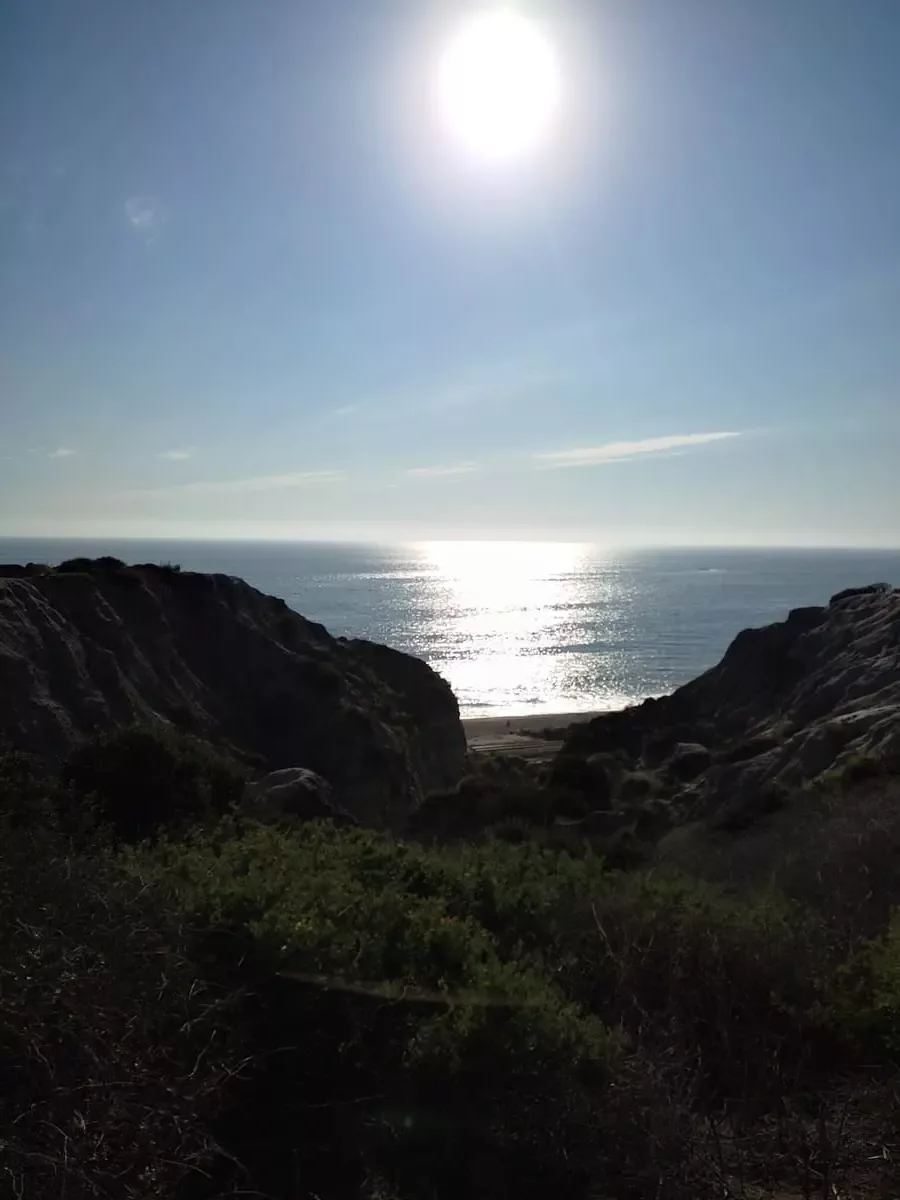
{"x": 498, "y": 85}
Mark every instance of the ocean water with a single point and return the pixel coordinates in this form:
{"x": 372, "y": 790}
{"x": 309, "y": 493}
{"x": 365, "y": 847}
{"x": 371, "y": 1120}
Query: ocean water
{"x": 517, "y": 627}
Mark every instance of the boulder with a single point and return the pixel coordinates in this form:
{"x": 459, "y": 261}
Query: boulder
{"x": 689, "y": 759}
{"x": 637, "y": 785}
{"x": 298, "y": 792}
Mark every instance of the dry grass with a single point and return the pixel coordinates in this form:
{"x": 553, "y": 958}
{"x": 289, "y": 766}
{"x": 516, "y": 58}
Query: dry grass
{"x": 113, "y": 1055}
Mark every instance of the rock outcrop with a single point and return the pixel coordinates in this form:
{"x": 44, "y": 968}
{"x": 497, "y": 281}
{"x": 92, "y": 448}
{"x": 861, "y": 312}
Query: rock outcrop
{"x": 787, "y": 704}
{"x": 82, "y": 651}
{"x": 299, "y": 793}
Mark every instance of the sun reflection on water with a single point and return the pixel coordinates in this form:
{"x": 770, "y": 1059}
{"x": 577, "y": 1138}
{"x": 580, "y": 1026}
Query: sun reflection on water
{"x": 505, "y": 620}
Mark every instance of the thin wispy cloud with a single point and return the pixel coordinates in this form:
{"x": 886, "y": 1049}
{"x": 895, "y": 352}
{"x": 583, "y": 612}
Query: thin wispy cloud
{"x": 177, "y": 455}
{"x": 63, "y": 452}
{"x": 144, "y": 216}
{"x": 450, "y": 472}
{"x": 593, "y": 456}
{"x": 233, "y": 487}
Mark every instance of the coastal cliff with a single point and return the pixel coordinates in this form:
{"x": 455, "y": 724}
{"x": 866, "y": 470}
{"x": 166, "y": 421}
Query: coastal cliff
{"x": 788, "y": 704}
{"x": 89, "y": 650}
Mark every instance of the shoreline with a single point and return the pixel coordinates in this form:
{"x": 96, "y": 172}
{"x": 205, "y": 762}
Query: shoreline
{"x": 523, "y": 736}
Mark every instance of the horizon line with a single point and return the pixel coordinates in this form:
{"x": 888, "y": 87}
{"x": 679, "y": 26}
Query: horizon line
{"x": 599, "y": 544}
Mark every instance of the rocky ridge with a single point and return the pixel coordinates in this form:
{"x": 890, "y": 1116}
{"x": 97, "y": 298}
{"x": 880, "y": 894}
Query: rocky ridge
{"x": 788, "y": 703}
{"x": 102, "y": 647}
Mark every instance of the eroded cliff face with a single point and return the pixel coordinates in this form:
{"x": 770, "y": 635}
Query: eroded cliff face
{"x": 787, "y": 703}
{"x": 86, "y": 652}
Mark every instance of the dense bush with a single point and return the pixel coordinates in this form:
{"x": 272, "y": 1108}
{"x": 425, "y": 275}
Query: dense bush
{"x": 469, "y": 931}
{"x": 863, "y": 1001}
{"x": 91, "y": 566}
{"x": 415, "y": 978}
{"x": 483, "y": 800}
{"x": 141, "y": 779}
{"x": 473, "y": 990}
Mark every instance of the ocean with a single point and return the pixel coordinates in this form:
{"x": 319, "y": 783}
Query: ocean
{"x": 524, "y": 627}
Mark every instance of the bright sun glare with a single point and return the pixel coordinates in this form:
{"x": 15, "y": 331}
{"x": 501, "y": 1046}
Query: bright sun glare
{"x": 498, "y": 85}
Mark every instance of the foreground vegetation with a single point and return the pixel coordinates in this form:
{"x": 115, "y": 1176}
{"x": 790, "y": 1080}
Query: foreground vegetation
{"x": 197, "y": 1003}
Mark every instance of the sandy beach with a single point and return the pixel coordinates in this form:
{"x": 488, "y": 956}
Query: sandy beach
{"x": 524, "y": 736}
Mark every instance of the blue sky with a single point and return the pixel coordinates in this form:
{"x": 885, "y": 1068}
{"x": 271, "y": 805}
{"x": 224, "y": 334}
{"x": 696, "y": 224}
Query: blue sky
{"x": 249, "y": 286}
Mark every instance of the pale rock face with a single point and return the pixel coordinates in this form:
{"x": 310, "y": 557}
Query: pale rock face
{"x": 86, "y": 652}
{"x": 786, "y": 704}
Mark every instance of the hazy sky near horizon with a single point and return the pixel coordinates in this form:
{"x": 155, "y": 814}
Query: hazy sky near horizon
{"x": 250, "y": 286}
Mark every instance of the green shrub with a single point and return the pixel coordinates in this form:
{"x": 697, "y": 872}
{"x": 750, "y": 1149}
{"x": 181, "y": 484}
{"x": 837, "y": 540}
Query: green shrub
{"x": 863, "y": 1003}
{"x": 472, "y": 990}
{"x": 480, "y": 802}
{"x": 416, "y": 977}
{"x": 90, "y": 566}
{"x": 731, "y": 984}
{"x": 145, "y": 778}
{"x": 353, "y": 906}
